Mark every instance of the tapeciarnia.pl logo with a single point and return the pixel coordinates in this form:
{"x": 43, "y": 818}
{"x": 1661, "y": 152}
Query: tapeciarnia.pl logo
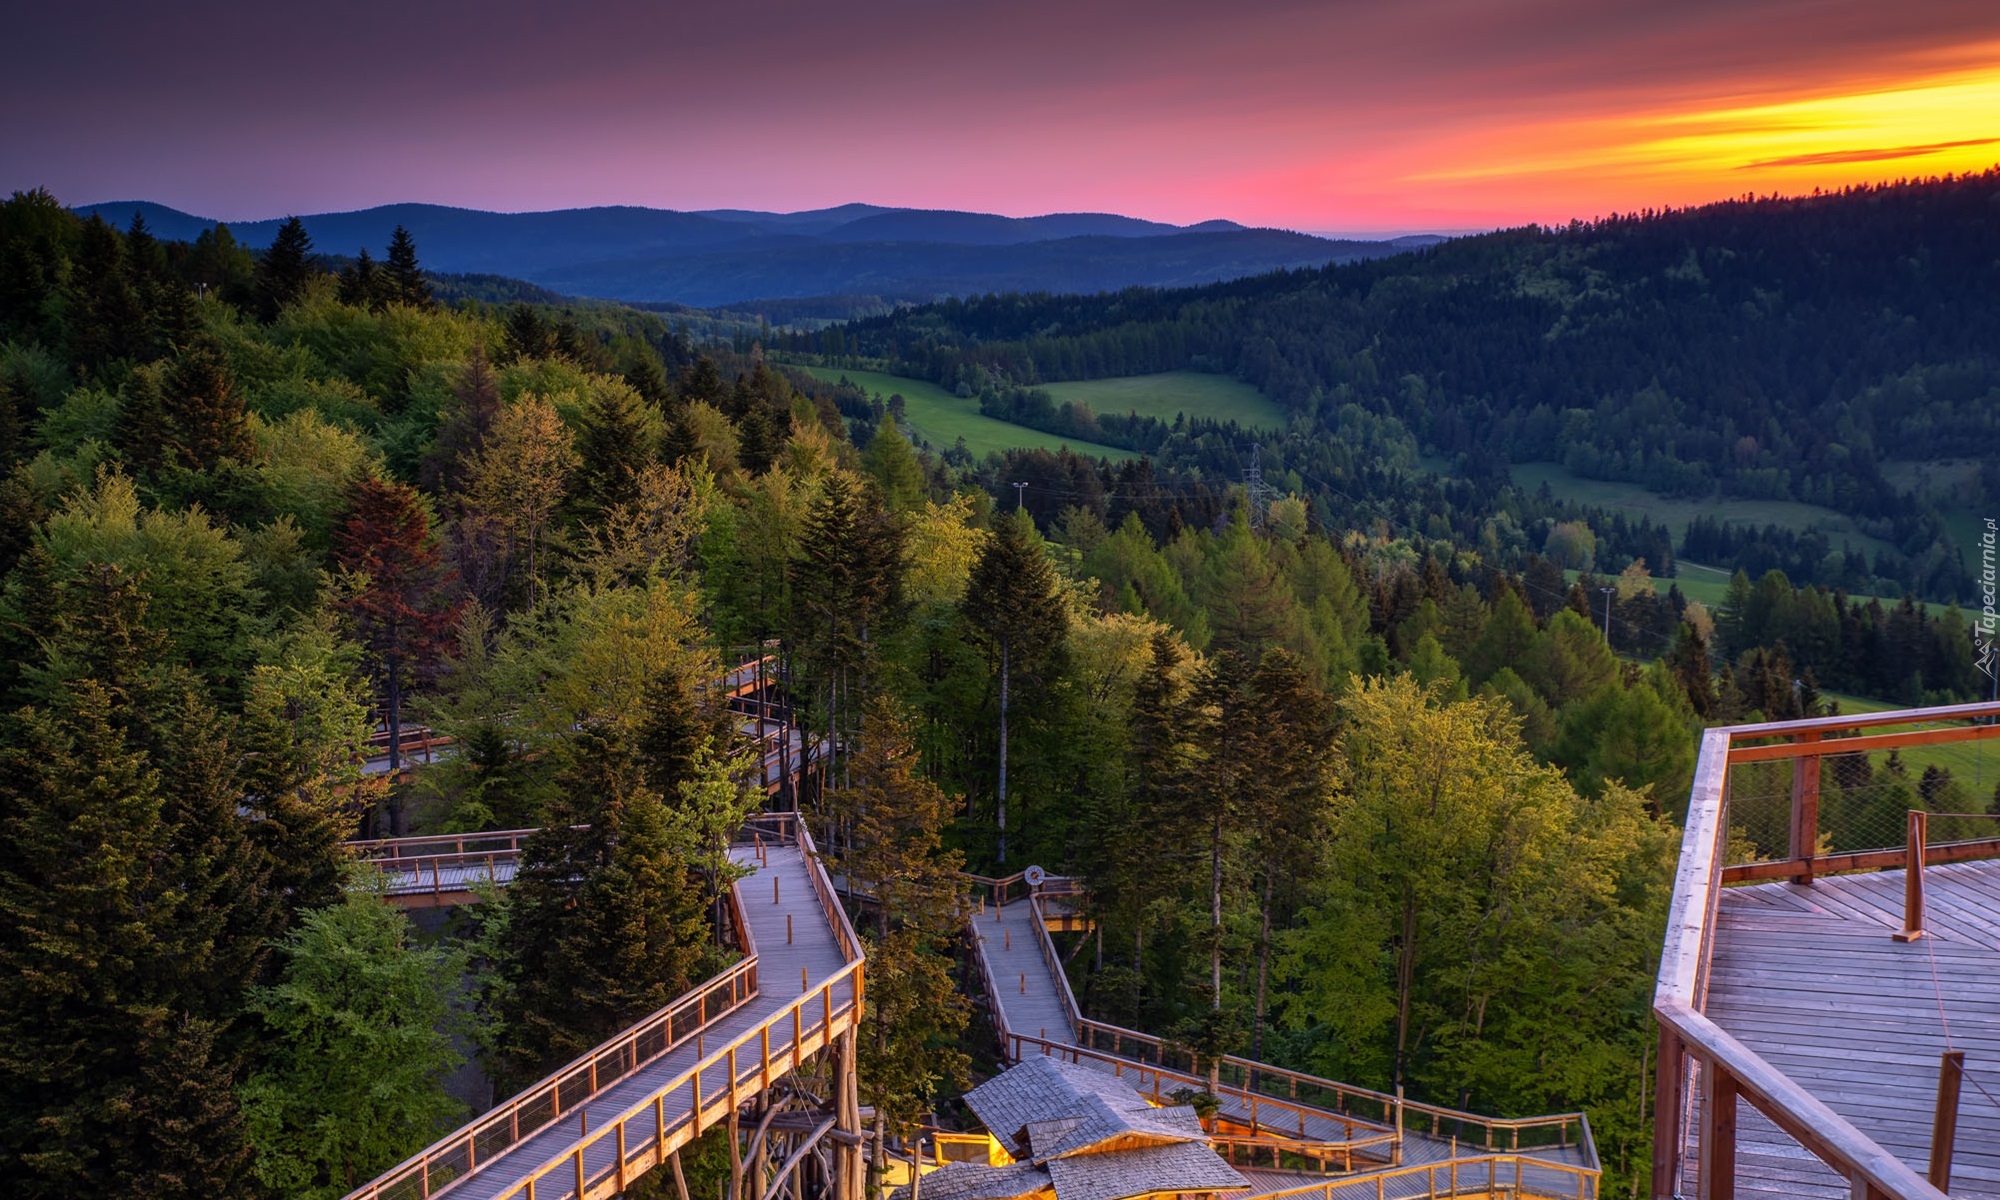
{"x": 1989, "y": 620}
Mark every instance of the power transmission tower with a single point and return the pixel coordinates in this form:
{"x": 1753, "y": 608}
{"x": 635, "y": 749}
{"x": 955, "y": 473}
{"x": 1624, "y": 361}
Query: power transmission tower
{"x": 1253, "y": 482}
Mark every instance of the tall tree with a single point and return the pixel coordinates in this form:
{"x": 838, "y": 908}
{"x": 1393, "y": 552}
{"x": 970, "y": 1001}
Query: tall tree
{"x": 395, "y": 597}
{"x": 203, "y": 407}
{"x": 518, "y": 480}
{"x": 845, "y": 582}
{"x": 361, "y": 282}
{"x": 357, "y": 1036}
{"x": 603, "y": 924}
{"x": 286, "y": 269}
{"x": 895, "y": 853}
{"x": 404, "y": 277}
{"x": 1014, "y": 607}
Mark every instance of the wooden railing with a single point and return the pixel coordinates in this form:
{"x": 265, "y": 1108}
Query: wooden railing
{"x": 1729, "y": 1070}
{"x": 1265, "y": 1113}
{"x": 1486, "y": 1176}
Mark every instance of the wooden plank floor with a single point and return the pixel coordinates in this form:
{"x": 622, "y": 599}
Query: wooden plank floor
{"x": 1809, "y": 978}
{"x": 813, "y": 949}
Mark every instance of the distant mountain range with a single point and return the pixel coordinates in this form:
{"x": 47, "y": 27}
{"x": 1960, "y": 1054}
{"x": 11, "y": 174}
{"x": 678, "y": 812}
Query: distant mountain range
{"x": 734, "y": 257}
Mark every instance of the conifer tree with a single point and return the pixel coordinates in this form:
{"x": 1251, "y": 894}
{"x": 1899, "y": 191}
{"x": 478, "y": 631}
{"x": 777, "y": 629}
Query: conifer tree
{"x": 107, "y": 321}
{"x": 1014, "y": 607}
{"x": 845, "y": 581}
{"x": 357, "y": 1036}
{"x": 896, "y": 469}
{"x": 286, "y": 270}
{"x": 203, "y": 408}
{"x": 406, "y": 283}
{"x": 122, "y": 878}
{"x": 361, "y": 283}
{"x": 395, "y": 578}
{"x": 602, "y": 925}
{"x": 612, "y": 449}
{"x": 896, "y": 854}
{"x": 462, "y": 434}
{"x": 143, "y": 434}
{"x": 518, "y": 481}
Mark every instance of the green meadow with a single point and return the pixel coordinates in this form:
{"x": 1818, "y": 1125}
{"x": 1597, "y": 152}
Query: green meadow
{"x": 1635, "y": 501}
{"x": 940, "y": 418}
{"x": 1168, "y": 395}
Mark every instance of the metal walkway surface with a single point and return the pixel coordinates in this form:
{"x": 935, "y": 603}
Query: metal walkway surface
{"x": 614, "y": 1114}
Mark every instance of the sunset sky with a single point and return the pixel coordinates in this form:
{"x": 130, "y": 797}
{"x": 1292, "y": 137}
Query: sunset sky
{"x": 1417, "y": 114}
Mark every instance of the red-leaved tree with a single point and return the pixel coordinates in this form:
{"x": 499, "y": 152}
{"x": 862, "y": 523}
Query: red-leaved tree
{"x": 396, "y": 595}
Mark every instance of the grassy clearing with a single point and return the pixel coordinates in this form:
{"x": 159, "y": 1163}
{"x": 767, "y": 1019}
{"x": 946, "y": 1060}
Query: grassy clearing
{"x": 940, "y": 418}
{"x": 1168, "y": 395}
{"x": 1635, "y": 501}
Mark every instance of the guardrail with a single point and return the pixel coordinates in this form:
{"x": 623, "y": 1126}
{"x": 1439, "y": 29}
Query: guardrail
{"x": 1730, "y": 1070}
{"x": 1486, "y": 1176}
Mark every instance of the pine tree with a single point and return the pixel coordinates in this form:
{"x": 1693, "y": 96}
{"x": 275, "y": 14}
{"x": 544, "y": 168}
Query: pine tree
{"x": 896, "y": 469}
{"x": 845, "y": 581}
{"x": 395, "y": 576}
{"x": 143, "y": 434}
{"x": 528, "y": 336}
{"x": 518, "y": 481}
{"x": 406, "y": 283}
{"x": 107, "y": 322}
{"x": 1014, "y": 607}
{"x": 286, "y": 270}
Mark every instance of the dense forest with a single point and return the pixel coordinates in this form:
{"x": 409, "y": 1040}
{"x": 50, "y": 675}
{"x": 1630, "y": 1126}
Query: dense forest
{"x": 1774, "y": 348}
{"x": 252, "y": 507}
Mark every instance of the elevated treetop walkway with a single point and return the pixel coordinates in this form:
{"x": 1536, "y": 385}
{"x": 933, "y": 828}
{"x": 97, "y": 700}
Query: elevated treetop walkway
{"x": 1266, "y": 1114}
{"x": 588, "y": 1130}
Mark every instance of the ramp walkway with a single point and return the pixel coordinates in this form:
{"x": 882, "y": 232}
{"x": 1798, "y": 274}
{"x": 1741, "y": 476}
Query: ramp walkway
{"x": 591, "y": 1128}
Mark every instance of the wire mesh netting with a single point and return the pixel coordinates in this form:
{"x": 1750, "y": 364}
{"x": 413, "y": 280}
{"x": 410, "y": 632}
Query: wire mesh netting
{"x": 1865, "y": 801}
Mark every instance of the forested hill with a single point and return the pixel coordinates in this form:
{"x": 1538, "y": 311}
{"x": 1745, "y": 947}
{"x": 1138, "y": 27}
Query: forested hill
{"x": 1777, "y": 348}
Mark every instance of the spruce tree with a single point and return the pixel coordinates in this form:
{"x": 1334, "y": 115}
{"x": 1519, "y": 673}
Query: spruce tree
{"x": 613, "y": 447}
{"x": 406, "y": 283}
{"x": 602, "y": 924}
{"x": 461, "y": 437}
{"x": 123, "y": 883}
{"x": 286, "y": 270}
{"x": 361, "y": 283}
{"x": 845, "y": 582}
{"x": 1014, "y": 608}
{"x": 528, "y": 336}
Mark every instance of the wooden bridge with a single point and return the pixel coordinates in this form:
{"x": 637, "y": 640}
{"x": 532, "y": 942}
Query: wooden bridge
{"x": 1810, "y": 1002}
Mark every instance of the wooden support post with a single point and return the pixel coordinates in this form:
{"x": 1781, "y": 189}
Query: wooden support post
{"x": 1805, "y": 808}
{"x": 1669, "y": 1075}
{"x": 1718, "y": 1134}
{"x": 1913, "y": 879}
{"x": 788, "y": 929}
{"x": 680, "y": 1178}
{"x": 1944, "y": 1126}
{"x": 735, "y": 1146}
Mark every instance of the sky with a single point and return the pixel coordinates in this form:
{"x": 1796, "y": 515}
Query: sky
{"x": 1335, "y": 115}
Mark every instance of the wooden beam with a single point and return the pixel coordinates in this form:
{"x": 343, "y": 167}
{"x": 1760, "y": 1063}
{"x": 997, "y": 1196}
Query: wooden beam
{"x": 1865, "y": 744}
{"x": 1805, "y": 808}
{"x": 1864, "y": 860}
{"x": 1669, "y": 1075}
{"x": 1913, "y": 879}
{"x": 1944, "y": 1124}
{"x": 1718, "y": 1132}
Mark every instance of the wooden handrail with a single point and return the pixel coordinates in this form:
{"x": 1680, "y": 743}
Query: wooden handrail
{"x": 1901, "y": 716}
{"x": 1481, "y": 1174}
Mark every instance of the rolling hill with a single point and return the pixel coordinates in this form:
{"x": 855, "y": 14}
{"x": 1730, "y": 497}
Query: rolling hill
{"x": 729, "y": 256}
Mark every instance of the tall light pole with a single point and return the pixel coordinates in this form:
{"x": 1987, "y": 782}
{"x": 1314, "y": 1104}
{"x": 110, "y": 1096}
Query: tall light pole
{"x": 1607, "y": 612}
{"x": 1020, "y": 495}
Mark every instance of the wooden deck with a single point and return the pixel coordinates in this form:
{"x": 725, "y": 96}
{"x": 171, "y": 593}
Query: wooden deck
{"x": 1809, "y": 977}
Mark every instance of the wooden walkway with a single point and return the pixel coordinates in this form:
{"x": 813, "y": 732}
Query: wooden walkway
{"x": 1808, "y": 977}
{"x": 1034, "y": 1002}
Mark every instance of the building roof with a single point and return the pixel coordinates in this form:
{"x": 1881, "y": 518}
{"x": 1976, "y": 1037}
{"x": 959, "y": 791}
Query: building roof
{"x": 1085, "y": 1134}
{"x": 1116, "y": 1174}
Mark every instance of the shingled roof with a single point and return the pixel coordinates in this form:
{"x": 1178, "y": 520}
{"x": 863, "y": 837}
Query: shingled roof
{"x": 1084, "y": 1134}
